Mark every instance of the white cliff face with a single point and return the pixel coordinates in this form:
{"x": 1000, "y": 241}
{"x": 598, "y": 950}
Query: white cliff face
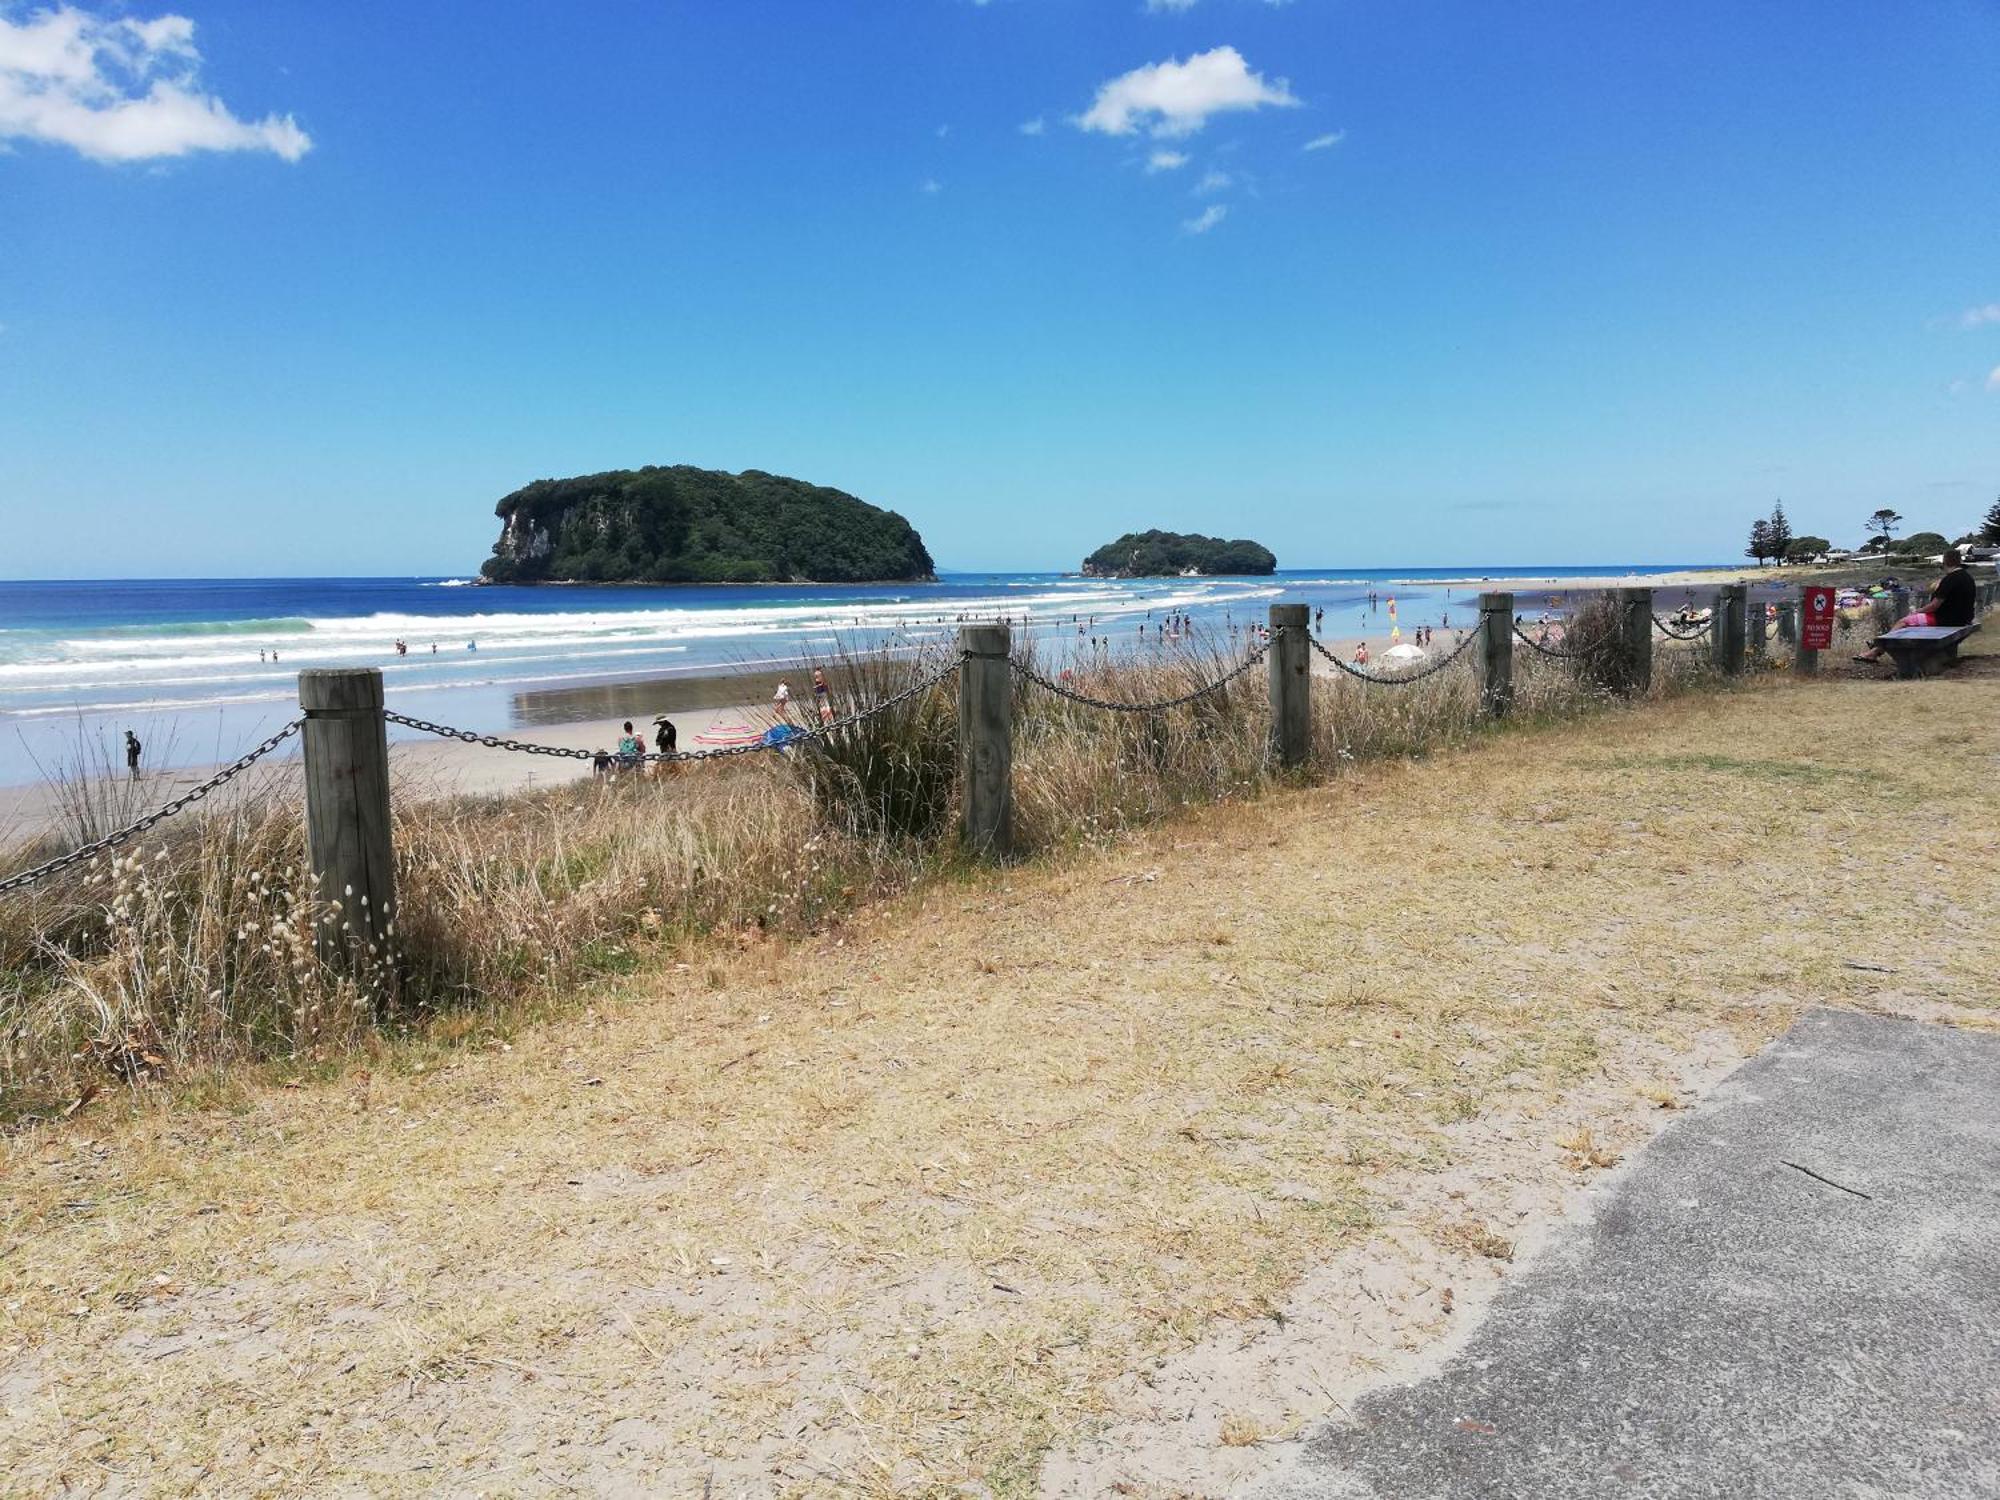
{"x": 522, "y": 540}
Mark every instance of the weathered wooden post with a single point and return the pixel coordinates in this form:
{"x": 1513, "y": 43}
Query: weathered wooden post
{"x": 1788, "y": 621}
{"x": 1726, "y": 627}
{"x": 1290, "y": 663}
{"x": 348, "y": 843}
{"x": 1754, "y": 618}
{"x": 1493, "y": 657}
{"x": 1805, "y": 663}
{"x": 1637, "y": 605}
{"x": 986, "y": 739}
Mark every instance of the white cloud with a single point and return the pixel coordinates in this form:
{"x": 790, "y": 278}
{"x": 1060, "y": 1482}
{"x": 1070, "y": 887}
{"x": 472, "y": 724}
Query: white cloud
{"x": 121, "y": 90}
{"x": 1176, "y": 98}
{"x": 1206, "y": 220}
{"x": 1033, "y": 127}
{"x": 1993, "y": 380}
{"x": 1213, "y": 181}
{"x": 1972, "y": 317}
{"x": 1154, "y": 7}
{"x": 1322, "y": 142}
{"x": 1166, "y": 161}
{"x": 930, "y": 185}
{"x": 942, "y": 131}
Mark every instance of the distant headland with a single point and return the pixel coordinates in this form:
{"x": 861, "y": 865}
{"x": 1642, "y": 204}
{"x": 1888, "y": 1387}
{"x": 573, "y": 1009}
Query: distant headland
{"x": 686, "y": 525}
{"x": 1166, "y": 554}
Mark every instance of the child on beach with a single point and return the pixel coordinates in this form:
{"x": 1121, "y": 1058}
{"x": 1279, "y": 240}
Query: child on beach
{"x": 824, "y": 698}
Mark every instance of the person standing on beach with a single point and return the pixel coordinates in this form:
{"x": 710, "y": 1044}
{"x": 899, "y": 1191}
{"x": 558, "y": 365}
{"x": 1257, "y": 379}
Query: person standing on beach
{"x": 630, "y": 748}
{"x": 781, "y": 701}
{"x": 132, "y": 749}
{"x": 823, "y": 696}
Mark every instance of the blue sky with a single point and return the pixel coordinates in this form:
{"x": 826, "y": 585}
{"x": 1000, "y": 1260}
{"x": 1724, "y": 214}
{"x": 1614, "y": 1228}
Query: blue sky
{"x": 300, "y": 288}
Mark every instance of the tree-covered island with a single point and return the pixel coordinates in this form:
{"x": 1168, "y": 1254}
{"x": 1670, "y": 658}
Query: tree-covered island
{"x": 686, "y": 525}
{"x": 1162, "y": 554}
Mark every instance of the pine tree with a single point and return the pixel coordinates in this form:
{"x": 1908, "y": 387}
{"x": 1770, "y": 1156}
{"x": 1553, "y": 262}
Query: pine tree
{"x": 1760, "y": 541}
{"x": 1989, "y": 529}
{"x": 1780, "y": 529}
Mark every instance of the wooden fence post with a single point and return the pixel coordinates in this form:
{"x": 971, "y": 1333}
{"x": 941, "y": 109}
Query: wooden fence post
{"x": 348, "y": 839}
{"x": 1638, "y": 619}
{"x": 1788, "y": 621}
{"x": 1804, "y": 663}
{"x": 1754, "y": 618}
{"x": 1290, "y": 663}
{"x": 986, "y": 739}
{"x": 1726, "y": 627}
{"x": 1493, "y": 657}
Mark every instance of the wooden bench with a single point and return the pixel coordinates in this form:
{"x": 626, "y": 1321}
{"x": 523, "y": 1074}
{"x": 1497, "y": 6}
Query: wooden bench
{"x": 1923, "y": 650}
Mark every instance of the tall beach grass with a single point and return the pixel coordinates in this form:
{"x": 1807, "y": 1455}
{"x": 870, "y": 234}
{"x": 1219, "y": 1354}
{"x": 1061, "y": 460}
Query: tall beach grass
{"x": 191, "y": 949}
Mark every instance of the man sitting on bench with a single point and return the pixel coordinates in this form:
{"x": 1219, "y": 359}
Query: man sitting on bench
{"x": 1950, "y": 604}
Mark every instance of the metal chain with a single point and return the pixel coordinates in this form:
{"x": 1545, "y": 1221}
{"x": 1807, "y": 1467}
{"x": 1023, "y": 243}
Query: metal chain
{"x": 1562, "y": 655}
{"x": 1029, "y": 674}
{"x": 1429, "y": 670}
{"x": 723, "y": 752}
{"x": 1671, "y": 633}
{"x": 159, "y": 814}
{"x": 490, "y": 741}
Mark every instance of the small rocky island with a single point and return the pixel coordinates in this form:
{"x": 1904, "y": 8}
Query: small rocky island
{"x": 1168, "y": 554}
{"x": 688, "y": 525}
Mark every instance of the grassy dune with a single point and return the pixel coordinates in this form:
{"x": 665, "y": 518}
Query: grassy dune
{"x": 189, "y": 953}
{"x": 954, "y": 1187}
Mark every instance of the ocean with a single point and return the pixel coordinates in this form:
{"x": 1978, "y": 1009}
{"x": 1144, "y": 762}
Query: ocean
{"x": 200, "y": 668}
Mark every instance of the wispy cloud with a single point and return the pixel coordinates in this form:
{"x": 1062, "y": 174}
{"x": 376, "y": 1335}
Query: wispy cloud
{"x": 1974, "y": 317}
{"x": 1213, "y": 215}
{"x": 1166, "y": 161}
{"x": 1213, "y": 181}
{"x": 1325, "y": 142}
{"x": 1032, "y": 127}
{"x": 1993, "y": 380}
{"x": 1174, "y": 99}
{"x": 121, "y": 89}
{"x": 930, "y": 185}
{"x": 1154, "y": 7}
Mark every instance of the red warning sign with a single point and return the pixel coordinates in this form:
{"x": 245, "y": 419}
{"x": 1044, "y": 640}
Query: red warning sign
{"x": 1816, "y": 622}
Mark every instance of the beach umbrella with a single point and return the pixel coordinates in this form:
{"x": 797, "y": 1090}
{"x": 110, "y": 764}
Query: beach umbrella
{"x": 729, "y": 732}
{"x": 1403, "y": 653}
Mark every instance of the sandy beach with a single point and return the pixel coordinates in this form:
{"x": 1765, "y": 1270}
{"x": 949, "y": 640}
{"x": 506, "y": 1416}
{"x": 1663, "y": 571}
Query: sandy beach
{"x": 420, "y": 769}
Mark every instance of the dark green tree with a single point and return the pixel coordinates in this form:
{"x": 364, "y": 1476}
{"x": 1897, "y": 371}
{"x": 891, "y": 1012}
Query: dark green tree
{"x": 1989, "y": 529}
{"x": 1921, "y": 544}
{"x": 1806, "y": 548}
{"x": 1760, "y": 541}
{"x": 1780, "y": 532}
{"x": 1884, "y": 523}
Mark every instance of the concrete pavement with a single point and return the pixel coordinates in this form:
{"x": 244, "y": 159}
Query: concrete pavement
{"x": 1729, "y": 1323}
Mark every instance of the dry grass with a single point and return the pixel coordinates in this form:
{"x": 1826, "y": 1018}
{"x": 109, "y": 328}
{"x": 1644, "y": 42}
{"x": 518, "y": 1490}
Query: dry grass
{"x": 189, "y": 955}
{"x": 895, "y": 1207}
